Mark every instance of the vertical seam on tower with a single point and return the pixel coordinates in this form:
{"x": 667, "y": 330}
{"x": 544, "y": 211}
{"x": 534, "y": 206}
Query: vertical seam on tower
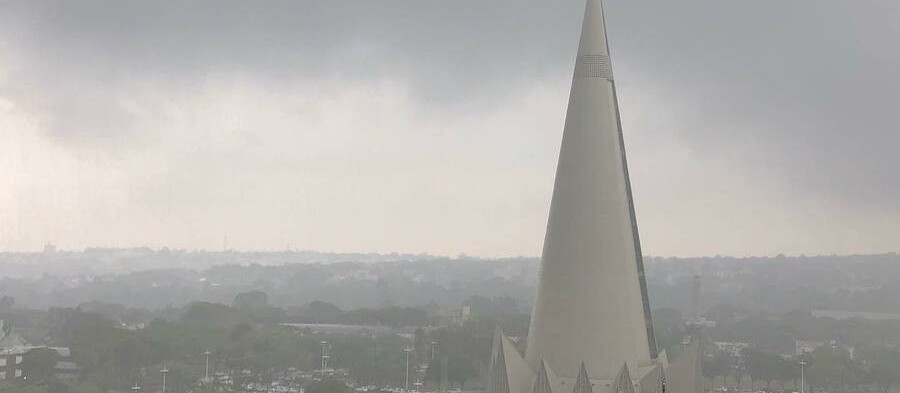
{"x": 639, "y": 256}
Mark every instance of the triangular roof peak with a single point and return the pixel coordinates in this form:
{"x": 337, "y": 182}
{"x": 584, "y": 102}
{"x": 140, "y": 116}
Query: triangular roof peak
{"x": 623, "y": 383}
{"x": 583, "y": 382}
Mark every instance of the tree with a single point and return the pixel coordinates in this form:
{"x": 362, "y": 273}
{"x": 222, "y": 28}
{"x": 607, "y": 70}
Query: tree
{"x": 832, "y": 370}
{"x": 763, "y": 366}
{"x": 717, "y": 366}
{"x": 207, "y": 389}
{"x": 506, "y": 305}
{"x": 885, "y": 370}
{"x": 212, "y": 315}
{"x": 328, "y": 386}
{"x": 460, "y": 370}
{"x": 789, "y": 371}
{"x": 6, "y": 387}
{"x": 7, "y": 303}
{"x": 320, "y": 312}
{"x": 240, "y": 330}
{"x": 480, "y": 305}
{"x": 38, "y": 365}
{"x": 253, "y": 300}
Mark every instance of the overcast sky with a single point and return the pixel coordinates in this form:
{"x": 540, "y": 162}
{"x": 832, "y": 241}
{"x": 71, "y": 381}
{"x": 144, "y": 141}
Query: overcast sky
{"x": 753, "y": 127}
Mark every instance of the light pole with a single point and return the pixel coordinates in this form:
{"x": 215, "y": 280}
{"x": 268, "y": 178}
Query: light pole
{"x": 407, "y": 350}
{"x": 164, "y": 371}
{"x": 433, "y": 344}
{"x": 206, "y": 377}
{"x": 802, "y": 374}
{"x": 324, "y": 358}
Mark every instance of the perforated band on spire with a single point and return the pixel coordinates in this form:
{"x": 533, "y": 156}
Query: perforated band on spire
{"x": 593, "y": 66}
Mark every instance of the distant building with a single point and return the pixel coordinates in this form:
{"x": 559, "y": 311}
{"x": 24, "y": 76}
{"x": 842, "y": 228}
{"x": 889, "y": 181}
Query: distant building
{"x": 731, "y": 348}
{"x": 803, "y": 347}
{"x": 463, "y": 315}
{"x": 695, "y": 319}
{"x": 456, "y": 317}
{"x": 701, "y": 322}
{"x": 11, "y": 362}
{"x": 849, "y": 349}
{"x": 843, "y": 315}
{"x": 133, "y": 327}
{"x": 327, "y": 328}
{"x": 9, "y": 365}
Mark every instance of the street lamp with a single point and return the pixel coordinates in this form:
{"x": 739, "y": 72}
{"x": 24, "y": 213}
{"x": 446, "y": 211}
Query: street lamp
{"x": 206, "y": 377}
{"x": 164, "y": 371}
{"x": 407, "y": 350}
{"x": 324, "y": 357}
{"x": 802, "y": 374}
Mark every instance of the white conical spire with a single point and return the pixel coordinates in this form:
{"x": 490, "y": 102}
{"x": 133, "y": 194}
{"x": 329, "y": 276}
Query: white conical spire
{"x": 592, "y": 304}
{"x": 593, "y": 31}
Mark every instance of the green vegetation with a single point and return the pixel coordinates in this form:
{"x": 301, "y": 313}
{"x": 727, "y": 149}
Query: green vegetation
{"x": 766, "y": 367}
{"x": 249, "y": 345}
{"x": 328, "y": 386}
{"x": 38, "y": 365}
{"x": 756, "y": 301}
{"x": 828, "y": 369}
{"x": 47, "y": 387}
{"x": 113, "y": 357}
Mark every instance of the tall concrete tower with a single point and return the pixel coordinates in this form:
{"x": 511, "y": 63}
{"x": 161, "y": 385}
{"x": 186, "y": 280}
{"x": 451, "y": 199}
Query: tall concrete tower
{"x": 591, "y": 328}
{"x": 592, "y": 272}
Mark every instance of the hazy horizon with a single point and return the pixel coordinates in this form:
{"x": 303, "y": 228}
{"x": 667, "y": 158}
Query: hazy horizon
{"x": 461, "y": 255}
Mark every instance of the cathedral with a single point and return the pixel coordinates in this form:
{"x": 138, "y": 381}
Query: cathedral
{"x": 591, "y": 329}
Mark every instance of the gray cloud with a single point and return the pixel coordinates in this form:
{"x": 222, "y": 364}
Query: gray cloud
{"x": 799, "y": 93}
{"x": 449, "y": 50}
{"x": 810, "y": 79}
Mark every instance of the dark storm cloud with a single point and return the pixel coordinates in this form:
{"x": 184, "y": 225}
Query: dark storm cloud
{"x": 810, "y": 80}
{"x": 73, "y": 57}
{"x": 809, "y": 85}
{"x": 447, "y": 47}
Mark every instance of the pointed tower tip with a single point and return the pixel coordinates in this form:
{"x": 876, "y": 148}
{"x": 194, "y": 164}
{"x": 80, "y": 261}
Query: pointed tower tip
{"x": 593, "y": 30}
{"x": 593, "y": 49}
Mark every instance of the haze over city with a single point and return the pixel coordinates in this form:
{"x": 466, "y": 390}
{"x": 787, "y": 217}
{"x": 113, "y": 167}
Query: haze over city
{"x": 753, "y": 128}
{"x": 449, "y": 196}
